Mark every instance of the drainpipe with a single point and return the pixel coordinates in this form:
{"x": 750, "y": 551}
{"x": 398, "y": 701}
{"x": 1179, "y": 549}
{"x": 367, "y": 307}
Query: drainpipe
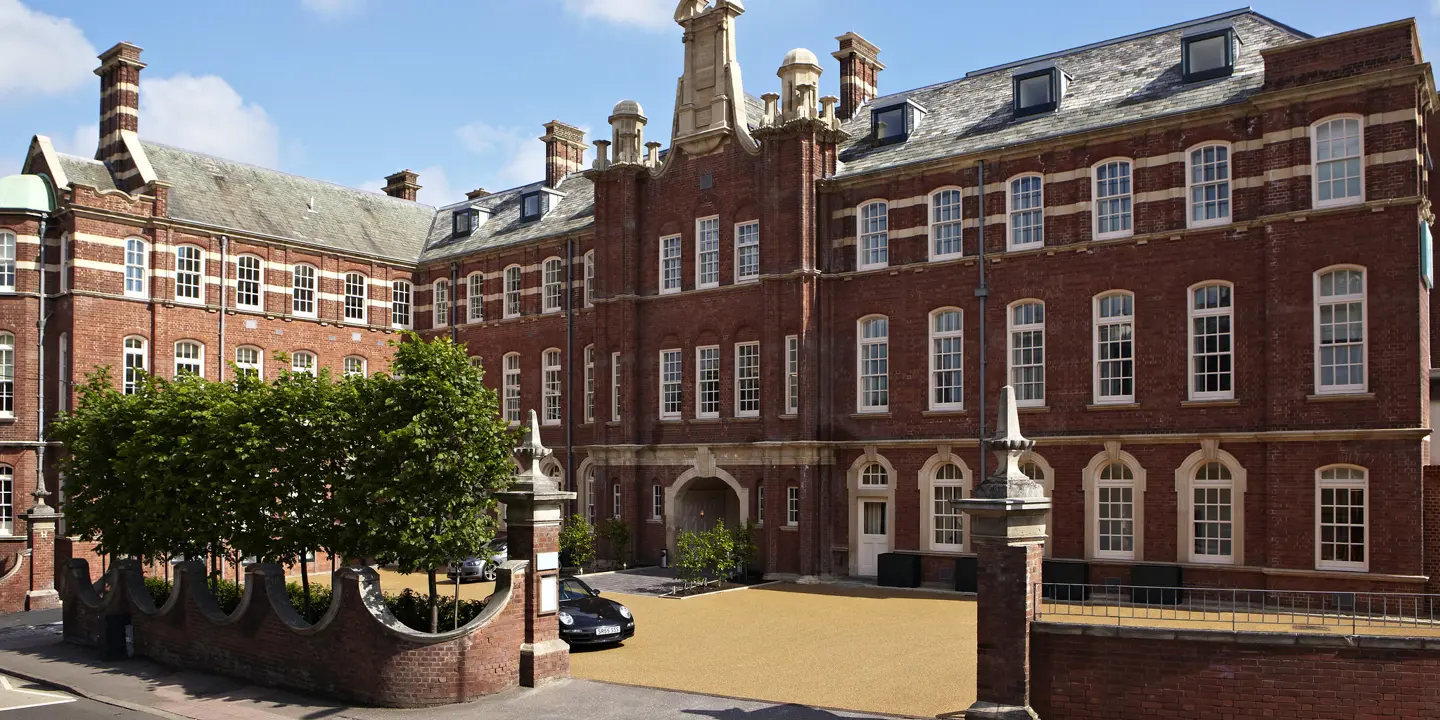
{"x": 224, "y": 302}
{"x": 451, "y": 294}
{"x": 569, "y": 362}
{"x": 982, "y": 292}
{"x": 40, "y": 491}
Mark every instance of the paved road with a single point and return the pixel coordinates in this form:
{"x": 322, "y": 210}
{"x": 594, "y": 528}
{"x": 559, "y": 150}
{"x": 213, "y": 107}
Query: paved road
{"x": 24, "y": 700}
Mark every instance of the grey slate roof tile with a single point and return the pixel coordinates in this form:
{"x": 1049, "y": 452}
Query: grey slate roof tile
{"x": 86, "y": 172}
{"x": 575, "y": 211}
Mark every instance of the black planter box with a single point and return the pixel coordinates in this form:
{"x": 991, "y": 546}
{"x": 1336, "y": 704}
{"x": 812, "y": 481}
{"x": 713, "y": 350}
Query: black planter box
{"x": 965, "y": 572}
{"x": 1065, "y": 580}
{"x": 1156, "y": 584}
{"x": 898, "y": 570}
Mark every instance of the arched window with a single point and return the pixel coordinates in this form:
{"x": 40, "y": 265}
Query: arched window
{"x": 355, "y": 366}
{"x": 589, "y": 278}
{"x": 441, "y": 302}
{"x": 400, "y": 304}
{"x": 1112, "y": 192}
{"x": 1026, "y": 352}
{"x": 512, "y": 387}
{"x": 1340, "y": 349}
{"x": 550, "y": 377}
{"x": 874, "y": 235}
{"x": 945, "y": 224}
{"x": 303, "y": 361}
{"x": 589, "y": 383}
{"x": 1038, "y": 470}
{"x": 189, "y": 274}
{"x": 873, "y": 365}
{"x": 1338, "y": 151}
{"x": 1211, "y": 341}
{"x": 134, "y": 364}
{"x": 874, "y": 475}
{"x": 1209, "y": 185}
{"x": 7, "y": 375}
{"x": 947, "y": 359}
{"x": 947, "y": 525}
{"x": 302, "y": 290}
{"x": 137, "y": 267}
{"x": 189, "y": 358}
{"x": 1115, "y": 515}
{"x": 7, "y": 500}
{"x": 1114, "y": 348}
{"x": 590, "y": 495}
{"x": 475, "y": 297}
{"x": 1342, "y": 518}
{"x": 1212, "y": 505}
{"x": 554, "y": 279}
{"x": 1025, "y": 201}
{"x": 249, "y": 282}
{"x": 250, "y": 360}
{"x": 357, "y": 296}
{"x": 512, "y": 291}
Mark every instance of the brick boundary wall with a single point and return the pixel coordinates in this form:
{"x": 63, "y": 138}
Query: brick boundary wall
{"x": 358, "y": 652}
{"x": 1090, "y": 671}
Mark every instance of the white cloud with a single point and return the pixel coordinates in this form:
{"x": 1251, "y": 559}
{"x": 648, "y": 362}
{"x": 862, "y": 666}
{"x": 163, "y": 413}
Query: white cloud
{"x": 41, "y": 54}
{"x": 516, "y": 154}
{"x": 435, "y": 187}
{"x": 333, "y": 8}
{"x": 80, "y": 143}
{"x": 647, "y": 14}
{"x": 206, "y": 115}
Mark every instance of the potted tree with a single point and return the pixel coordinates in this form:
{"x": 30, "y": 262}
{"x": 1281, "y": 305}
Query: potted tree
{"x": 618, "y": 533}
{"x": 577, "y": 544}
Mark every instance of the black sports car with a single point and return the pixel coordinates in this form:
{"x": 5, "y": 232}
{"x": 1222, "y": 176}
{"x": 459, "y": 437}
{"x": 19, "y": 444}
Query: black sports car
{"x": 588, "y": 619}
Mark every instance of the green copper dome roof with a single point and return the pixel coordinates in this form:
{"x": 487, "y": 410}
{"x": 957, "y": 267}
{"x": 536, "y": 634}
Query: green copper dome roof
{"x": 29, "y": 193}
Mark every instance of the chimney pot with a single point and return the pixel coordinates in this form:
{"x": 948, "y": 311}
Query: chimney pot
{"x": 402, "y": 185}
{"x": 477, "y": 193}
{"x": 860, "y": 68}
{"x": 564, "y": 151}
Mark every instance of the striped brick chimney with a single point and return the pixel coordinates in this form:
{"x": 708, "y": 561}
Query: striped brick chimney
{"x": 859, "y": 73}
{"x": 402, "y": 185}
{"x": 119, "y": 73}
{"x": 564, "y": 151}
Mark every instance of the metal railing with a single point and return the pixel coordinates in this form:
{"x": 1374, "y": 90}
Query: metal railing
{"x": 1354, "y": 613}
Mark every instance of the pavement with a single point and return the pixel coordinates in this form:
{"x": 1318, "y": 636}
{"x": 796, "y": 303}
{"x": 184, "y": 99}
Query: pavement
{"x": 36, "y": 663}
{"x": 640, "y": 581}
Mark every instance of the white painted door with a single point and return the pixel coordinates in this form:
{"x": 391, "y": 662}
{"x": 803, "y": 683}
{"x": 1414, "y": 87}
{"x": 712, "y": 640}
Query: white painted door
{"x": 874, "y": 535}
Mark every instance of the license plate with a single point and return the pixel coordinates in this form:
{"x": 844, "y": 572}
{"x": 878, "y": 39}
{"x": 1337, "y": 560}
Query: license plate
{"x": 607, "y": 629}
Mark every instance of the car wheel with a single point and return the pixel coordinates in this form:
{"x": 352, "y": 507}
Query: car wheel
{"x": 490, "y": 572}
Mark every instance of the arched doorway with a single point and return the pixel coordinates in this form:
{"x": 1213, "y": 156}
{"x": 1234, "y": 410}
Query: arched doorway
{"x": 695, "y": 503}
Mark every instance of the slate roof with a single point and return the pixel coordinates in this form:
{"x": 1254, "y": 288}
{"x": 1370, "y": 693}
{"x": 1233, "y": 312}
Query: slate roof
{"x": 574, "y": 211}
{"x": 86, "y": 172}
{"x": 1114, "y": 82}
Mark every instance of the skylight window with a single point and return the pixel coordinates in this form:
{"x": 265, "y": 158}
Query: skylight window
{"x": 1039, "y": 90}
{"x": 1207, "y": 52}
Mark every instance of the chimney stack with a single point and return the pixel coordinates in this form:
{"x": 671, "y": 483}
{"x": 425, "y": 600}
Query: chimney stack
{"x": 477, "y": 193}
{"x": 402, "y": 185}
{"x": 564, "y": 151}
{"x": 119, "y": 73}
{"x": 859, "y": 73}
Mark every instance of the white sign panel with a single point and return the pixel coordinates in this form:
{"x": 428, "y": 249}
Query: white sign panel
{"x": 547, "y": 561}
{"x": 549, "y": 597}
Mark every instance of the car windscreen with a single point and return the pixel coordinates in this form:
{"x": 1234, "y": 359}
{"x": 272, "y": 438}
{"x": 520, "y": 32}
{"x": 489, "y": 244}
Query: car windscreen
{"x": 573, "y": 590}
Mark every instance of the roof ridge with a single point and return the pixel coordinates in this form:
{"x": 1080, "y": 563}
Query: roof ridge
{"x": 81, "y": 158}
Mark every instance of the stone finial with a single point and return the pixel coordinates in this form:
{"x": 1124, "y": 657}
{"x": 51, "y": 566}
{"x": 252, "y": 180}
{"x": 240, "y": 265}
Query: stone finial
{"x": 1009, "y": 446}
{"x": 602, "y": 154}
{"x": 627, "y": 124}
{"x": 530, "y": 452}
{"x": 827, "y": 112}
{"x": 652, "y": 153}
{"x": 772, "y": 107}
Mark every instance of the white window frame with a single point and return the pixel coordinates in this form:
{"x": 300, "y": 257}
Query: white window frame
{"x": 745, "y": 240}
{"x": 551, "y": 384}
{"x": 361, "y": 371}
{"x": 590, "y": 278}
{"x": 671, "y": 264}
{"x": 7, "y": 500}
{"x": 1093, "y": 483}
{"x": 876, "y": 213}
{"x": 136, "y": 348}
{"x": 747, "y": 382}
{"x": 676, "y": 382}
{"x": 861, "y": 343}
{"x": 440, "y": 303}
{"x": 933, "y": 225}
{"x": 1321, "y": 483}
{"x": 298, "y": 363}
{"x": 363, "y": 306}
{"x": 511, "y": 387}
{"x": 932, "y": 387}
{"x": 590, "y": 495}
{"x": 66, "y": 248}
{"x": 62, "y": 379}
{"x": 1012, "y": 329}
{"x": 1194, "y": 314}
{"x": 707, "y": 228}
{"x": 245, "y": 366}
{"x": 191, "y": 280}
{"x": 933, "y": 482}
{"x": 615, "y": 387}
{"x": 589, "y": 383}
{"x": 552, "y": 276}
{"x": 298, "y": 289}
{"x": 401, "y": 305}
{"x": 760, "y": 505}
{"x": 514, "y": 292}
{"x": 1186, "y": 483}
{"x": 792, "y": 506}
{"x": 792, "y": 374}
{"x": 7, "y": 375}
{"x": 1012, "y": 214}
{"x": 1191, "y": 185}
{"x": 616, "y": 501}
{"x": 1363, "y": 298}
{"x": 198, "y": 362}
{"x": 137, "y": 267}
{"x": 1314, "y": 129}
{"x": 707, "y": 376}
{"x": 475, "y": 297}
{"x": 9, "y": 251}
{"x": 657, "y": 501}
{"x": 1095, "y": 323}
{"x": 1126, "y": 199}
{"x": 256, "y": 284}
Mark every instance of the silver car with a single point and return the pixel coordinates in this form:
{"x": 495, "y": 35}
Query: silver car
{"x": 481, "y": 566}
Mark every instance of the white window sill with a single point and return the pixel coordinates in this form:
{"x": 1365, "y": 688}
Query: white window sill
{"x": 959, "y": 410}
{"x": 669, "y": 291}
{"x": 747, "y": 279}
{"x": 1114, "y": 235}
{"x": 508, "y": 317}
{"x": 789, "y": 527}
{"x": 1210, "y": 402}
{"x": 655, "y": 520}
{"x": 1343, "y": 567}
{"x": 706, "y": 286}
{"x": 550, "y": 311}
{"x": 1114, "y": 405}
{"x": 1203, "y": 224}
{"x": 1342, "y": 202}
{"x": 1023, "y": 248}
{"x": 1341, "y": 396}
{"x": 670, "y": 418}
{"x": 1032, "y": 408}
{"x": 189, "y": 301}
{"x": 747, "y": 415}
{"x": 884, "y": 413}
{"x": 880, "y": 266}
{"x": 948, "y": 256}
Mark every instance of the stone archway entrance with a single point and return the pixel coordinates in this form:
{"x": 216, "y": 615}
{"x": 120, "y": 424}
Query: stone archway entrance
{"x": 696, "y": 503}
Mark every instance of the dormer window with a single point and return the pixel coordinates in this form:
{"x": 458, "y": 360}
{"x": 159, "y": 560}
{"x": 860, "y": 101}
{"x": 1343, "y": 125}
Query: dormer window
{"x": 465, "y": 221}
{"x": 893, "y": 122}
{"x": 1039, "y": 90}
{"x": 1207, "y": 52}
{"x": 533, "y": 206}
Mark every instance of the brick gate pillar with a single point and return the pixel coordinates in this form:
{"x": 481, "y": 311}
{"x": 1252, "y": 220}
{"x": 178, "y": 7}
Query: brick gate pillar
{"x": 42, "y": 522}
{"x": 533, "y": 508}
{"x": 1007, "y": 525}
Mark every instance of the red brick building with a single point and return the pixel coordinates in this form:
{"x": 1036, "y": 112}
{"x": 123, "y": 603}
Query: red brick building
{"x": 1206, "y": 270}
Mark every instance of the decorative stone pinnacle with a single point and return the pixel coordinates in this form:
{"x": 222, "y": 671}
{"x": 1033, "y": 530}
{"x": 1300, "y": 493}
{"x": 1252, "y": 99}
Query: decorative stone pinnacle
{"x": 1008, "y": 445}
{"x": 530, "y": 452}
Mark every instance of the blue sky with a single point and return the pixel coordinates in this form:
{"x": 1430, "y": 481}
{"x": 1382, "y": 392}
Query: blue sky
{"x": 352, "y": 90}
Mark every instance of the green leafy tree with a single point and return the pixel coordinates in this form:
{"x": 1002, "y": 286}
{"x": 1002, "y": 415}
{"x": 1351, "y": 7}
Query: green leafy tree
{"x": 430, "y": 451}
{"x": 720, "y": 551}
{"x": 746, "y": 550}
{"x": 692, "y": 558}
{"x": 577, "y": 540}
{"x": 618, "y": 533}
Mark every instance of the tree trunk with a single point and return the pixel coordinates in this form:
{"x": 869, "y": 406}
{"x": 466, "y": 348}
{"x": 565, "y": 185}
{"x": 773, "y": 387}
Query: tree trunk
{"x": 434, "y": 603}
{"x": 305, "y": 584}
{"x": 457, "y": 602}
